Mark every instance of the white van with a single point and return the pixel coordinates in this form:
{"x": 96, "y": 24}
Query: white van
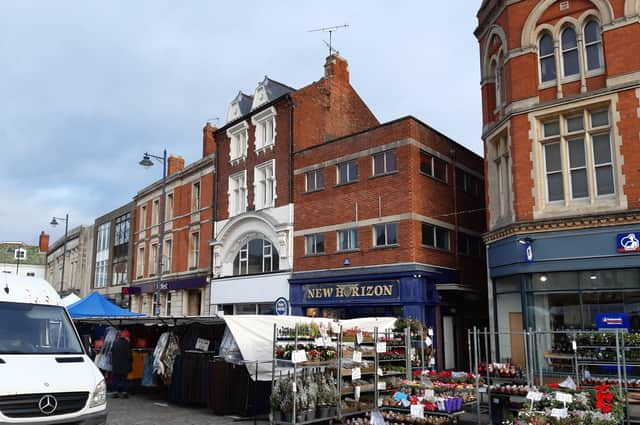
{"x": 45, "y": 375}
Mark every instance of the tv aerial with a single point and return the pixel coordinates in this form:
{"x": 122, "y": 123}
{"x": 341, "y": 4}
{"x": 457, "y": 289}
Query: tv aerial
{"x": 331, "y": 30}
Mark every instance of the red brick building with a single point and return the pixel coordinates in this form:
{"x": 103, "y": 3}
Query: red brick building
{"x": 186, "y": 258}
{"x": 561, "y": 90}
{"x": 388, "y": 222}
{"x": 253, "y": 236}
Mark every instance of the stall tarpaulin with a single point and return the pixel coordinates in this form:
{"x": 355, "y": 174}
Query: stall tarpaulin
{"x": 253, "y": 336}
{"x": 95, "y": 305}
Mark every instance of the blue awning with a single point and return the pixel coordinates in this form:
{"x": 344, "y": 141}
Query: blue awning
{"x": 95, "y": 305}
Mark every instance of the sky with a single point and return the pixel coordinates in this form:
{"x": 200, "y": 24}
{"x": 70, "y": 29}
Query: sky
{"x": 87, "y": 87}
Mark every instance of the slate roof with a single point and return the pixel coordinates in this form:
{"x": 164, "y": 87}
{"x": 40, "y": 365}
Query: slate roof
{"x": 244, "y": 102}
{"x": 34, "y": 256}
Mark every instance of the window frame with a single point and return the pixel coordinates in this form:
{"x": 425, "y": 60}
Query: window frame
{"x": 140, "y": 262}
{"x": 196, "y": 193}
{"x": 434, "y": 230}
{"x": 599, "y": 43}
{"x": 268, "y": 251}
{"x": 261, "y": 122}
{"x": 348, "y": 164}
{"x": 353, "y": 243}
{"x": 238, "y": 142}
{"x": 385, "y": 163}
{"x": 551, "y": 81}
{"x": 263, "y": 184}
{"x": 385, "y": 227}
{"x": 433, "y": 160}
{"x": 314, "y": 243}
{"x": 565, "y": 51}
{"x": 194, "y": 250}
{"x": 237, "y": 194}
{"x": 315, "y": 173}
{"x": 588, "y": 133}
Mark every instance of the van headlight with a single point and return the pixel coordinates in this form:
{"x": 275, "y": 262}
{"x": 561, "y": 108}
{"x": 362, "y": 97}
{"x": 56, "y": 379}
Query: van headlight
{"x": 99, "y": 395}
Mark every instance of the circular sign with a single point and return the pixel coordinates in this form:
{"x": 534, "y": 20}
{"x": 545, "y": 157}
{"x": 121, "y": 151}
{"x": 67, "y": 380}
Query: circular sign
{"x": 281, "y": 306}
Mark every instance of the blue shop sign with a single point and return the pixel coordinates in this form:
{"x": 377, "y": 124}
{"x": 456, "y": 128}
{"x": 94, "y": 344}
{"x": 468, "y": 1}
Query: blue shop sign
{"x": 351, "y": 292}
{"x": 281, "y": 306}
{"x": 628, "y": 242}
{"x": 612, "y": 321}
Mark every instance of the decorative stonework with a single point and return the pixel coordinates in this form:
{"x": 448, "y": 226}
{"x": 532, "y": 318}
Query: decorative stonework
{"x": 569, "y": 223}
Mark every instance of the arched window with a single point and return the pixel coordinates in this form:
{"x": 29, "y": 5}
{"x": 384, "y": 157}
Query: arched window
{"x": 593, "y": 46}
{"x": 498, "y": 75}
{"x": 570, "y": 60}
{"x": 256, "y": 256}
{"x": 547, "y": 58}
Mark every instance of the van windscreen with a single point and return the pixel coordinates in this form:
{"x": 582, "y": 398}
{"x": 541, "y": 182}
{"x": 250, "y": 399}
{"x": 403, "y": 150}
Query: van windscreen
{"x": 36, "y": 329}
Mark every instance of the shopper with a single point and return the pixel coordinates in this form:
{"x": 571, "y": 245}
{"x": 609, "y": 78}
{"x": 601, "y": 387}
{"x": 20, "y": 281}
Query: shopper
{"x": 121, "y": 360}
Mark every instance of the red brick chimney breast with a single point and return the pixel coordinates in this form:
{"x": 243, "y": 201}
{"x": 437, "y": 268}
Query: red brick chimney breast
{"x": 336, "y": 67}
{"x": 44, "y": 242}
{"x": 176, "y": 163}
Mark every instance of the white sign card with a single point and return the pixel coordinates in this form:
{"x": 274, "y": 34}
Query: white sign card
{"x": 319, "y": 342}
{"x": 417, "y": 410}
{"x": 359, "y": 337}
{"x": 534, "y": 396}
{"x": 357, "y": 356}
{"x": 559, "y": 413}
{"x": 380, "y": 372}
{"x": 428, "y": 341}
{"x": 299, "y": 356}
{"x": 429, "y": 395}
{"x": 382, "y": 386}
{"x": 202, "y": 344}
{"x": 564, "y": 397}
{"x": 381, "y": 347}
{"x": 356, "y": 374}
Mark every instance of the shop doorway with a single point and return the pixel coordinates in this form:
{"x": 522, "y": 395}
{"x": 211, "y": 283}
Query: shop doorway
{"x": 517, "y": 339}
{"x": 449, "y": 340}
{"x": 194, "y": 302}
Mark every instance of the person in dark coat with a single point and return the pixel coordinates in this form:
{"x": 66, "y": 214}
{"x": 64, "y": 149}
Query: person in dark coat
{"x": 121, "y": 362}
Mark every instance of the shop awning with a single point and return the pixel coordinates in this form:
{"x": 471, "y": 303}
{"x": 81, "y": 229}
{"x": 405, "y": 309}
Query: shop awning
{"x": 95, "y": 305}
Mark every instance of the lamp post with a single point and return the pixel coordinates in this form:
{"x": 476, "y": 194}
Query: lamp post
{"x": 54, "y": 222}
{"x": 146, "y": 162}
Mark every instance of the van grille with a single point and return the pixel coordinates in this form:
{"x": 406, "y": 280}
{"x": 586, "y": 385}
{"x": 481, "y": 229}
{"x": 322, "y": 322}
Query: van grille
{"x": 27, "y": 405}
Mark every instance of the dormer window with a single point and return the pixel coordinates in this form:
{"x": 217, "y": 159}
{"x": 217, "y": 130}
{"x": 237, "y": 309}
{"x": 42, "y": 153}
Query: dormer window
{"x": 265, "y": 123}
{"x": 238, "y": 136}
{"x": 239, "y": 107}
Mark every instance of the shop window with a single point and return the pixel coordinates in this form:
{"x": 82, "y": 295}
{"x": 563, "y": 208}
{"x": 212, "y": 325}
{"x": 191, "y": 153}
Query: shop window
{"x": 434, "y": 167}
{"x": 315, "y": 180}
{"x": 385, "y": 234}
{"x": 384, "y": 163}
{"x": 245, "y": 309}
{"x": 577, "y": 155}
{"x": 348, "y": 240}
{"x": 314, "y": 244}
{"x": 435, "y": 237}
{"x": 256, "y": 256}
{"x": 266, "y": 308}
{"x": 347, "y": 172}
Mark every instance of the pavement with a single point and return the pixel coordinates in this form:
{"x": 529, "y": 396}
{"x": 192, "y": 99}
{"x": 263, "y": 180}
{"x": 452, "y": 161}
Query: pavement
{"x": 150, "y": 410}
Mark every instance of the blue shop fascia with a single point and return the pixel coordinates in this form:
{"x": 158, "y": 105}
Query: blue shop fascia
{"x": 407, "y": 292}
{"x": 563, "y": 275}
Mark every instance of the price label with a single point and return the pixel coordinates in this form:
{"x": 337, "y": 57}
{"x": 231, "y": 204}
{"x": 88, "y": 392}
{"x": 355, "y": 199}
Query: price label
{"x": 382, "y": 386}
{"x": 359, "y": 337}
{"x": 356, "y": 374}
{"x": 482, "y": 389}
{"x": 564, "y": 397}
{"x": 381, "y": 347}
{"x": 380, "y": 372}
{"x": 417, "y": 410}
{"x": 319, "y": 342}
{"x": 293, "y": 387}
{"x": 574, "y": 345}
{"x": 534, "y": 396}
{"x": 357, "y": 356}
{"x": 428, "y": 341}
{"x": 559, "y": 413}
{"x": 299, "y": 356}
{"x": 356, "y": 392}
{"x": 202, "y": 344}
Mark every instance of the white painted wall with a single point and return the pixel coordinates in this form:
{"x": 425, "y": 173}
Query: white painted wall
{"x": 23, "y": 269}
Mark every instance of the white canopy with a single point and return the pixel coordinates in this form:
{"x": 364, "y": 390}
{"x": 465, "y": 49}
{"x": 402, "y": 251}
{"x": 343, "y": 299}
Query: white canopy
{"x": 70, "y": 299}
{"x": 253, "y": 336}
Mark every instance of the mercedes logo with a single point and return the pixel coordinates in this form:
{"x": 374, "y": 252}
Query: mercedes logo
{"x": 48, "y": 404}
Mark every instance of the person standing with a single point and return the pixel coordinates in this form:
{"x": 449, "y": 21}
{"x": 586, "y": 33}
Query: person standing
{"x": 121, "y": 361}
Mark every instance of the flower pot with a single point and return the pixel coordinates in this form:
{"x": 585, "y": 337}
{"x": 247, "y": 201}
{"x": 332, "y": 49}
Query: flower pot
{"x": 287, "y": 416}
{"x": 311, "y": 414}
{"x": 301, "y": 417}
{"x": 277, "y": 416}
{"x": 333, "y": 411}
{"x": 323, "y": 412}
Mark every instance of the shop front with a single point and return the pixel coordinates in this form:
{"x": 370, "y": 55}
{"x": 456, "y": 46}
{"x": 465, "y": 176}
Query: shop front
{"x": 561, "y": 280}
{"x": 186, "y": 296}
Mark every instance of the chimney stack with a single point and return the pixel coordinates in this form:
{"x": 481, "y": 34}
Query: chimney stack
{"x": 208, "y": 141}
{"x": 176, "y": 163}
{"x": 337, "y": 67}
{"x": 44, "y": 242}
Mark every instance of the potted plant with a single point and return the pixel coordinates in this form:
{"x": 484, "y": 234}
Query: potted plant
{"x": 302, "y": 403}
{"x": 276, "y": 403}
{"x": 312, "y": 397}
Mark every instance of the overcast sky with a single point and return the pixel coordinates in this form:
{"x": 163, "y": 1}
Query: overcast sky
{"x": 86, "y": 86}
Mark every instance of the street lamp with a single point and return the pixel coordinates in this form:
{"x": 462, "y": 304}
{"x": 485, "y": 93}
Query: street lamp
{"x": 54, "y": 222}
{"x": 147, "y": 162}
